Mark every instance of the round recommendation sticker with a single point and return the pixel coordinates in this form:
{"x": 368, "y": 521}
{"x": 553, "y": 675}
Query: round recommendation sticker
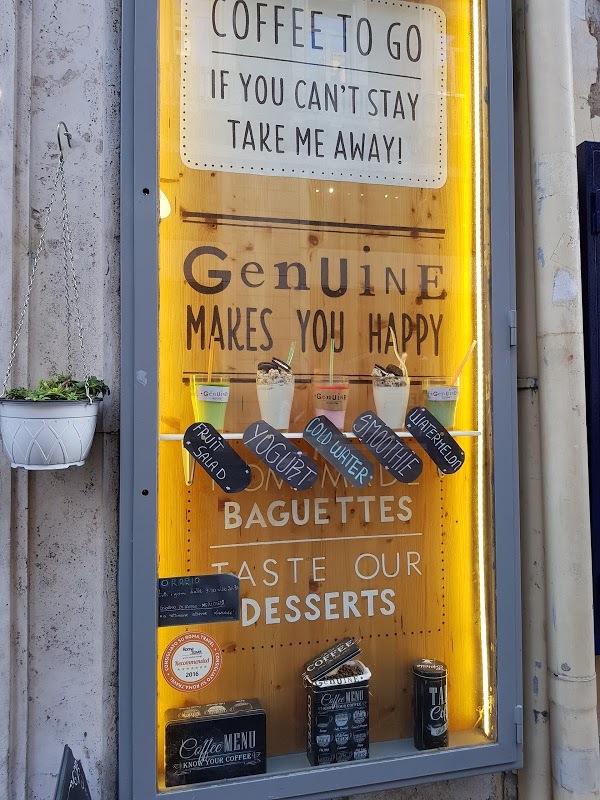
{"x": 191, "y": 661}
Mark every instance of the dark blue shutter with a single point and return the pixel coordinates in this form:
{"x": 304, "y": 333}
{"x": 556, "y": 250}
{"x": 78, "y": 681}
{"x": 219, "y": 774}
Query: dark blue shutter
{"x": 588, "y": 169}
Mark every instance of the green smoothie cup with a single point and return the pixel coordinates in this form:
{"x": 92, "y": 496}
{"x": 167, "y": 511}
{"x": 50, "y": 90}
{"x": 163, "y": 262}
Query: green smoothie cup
{"x": 209, "y": 398}
{"x": 440, "y": 396}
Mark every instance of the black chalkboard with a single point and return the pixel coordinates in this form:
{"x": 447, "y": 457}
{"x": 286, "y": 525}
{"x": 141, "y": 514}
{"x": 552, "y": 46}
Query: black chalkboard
{"x": 193, "y": 599}
{"x": 388, "y": 448}
{"x": 281, "y": 455}
{"x": 441, "y": 448}
{"x": 217, "y": 457}
{"x": 71, "y": 783}
{"x": 330, "y": 442}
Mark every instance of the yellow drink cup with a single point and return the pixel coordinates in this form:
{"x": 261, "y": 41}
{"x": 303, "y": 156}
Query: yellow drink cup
{"x": 209, "y": 398}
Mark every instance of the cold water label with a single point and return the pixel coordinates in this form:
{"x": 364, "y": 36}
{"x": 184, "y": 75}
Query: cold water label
{"x": 330, "y": 442}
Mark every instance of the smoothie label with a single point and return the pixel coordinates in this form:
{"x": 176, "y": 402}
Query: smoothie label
{"x": 388, "y": 448}
{"x": 442, "y": 393}
{"x": 213, "y": 394}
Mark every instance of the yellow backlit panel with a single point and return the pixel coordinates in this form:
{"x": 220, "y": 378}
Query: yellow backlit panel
{"x": 257, "y": 262}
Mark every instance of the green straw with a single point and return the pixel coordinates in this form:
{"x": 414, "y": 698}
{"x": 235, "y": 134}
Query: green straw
{"x": 331, "y": 361}
{"x": 291, "y": 354}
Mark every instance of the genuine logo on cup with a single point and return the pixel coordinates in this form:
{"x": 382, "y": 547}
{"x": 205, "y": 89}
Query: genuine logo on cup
{"x": 339, "y": 396}
{"x": 213, "y": 394}
{"x": 441, "y": 393}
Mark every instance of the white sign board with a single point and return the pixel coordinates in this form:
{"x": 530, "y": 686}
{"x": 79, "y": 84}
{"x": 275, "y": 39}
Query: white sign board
{"x": 323, "y": 89}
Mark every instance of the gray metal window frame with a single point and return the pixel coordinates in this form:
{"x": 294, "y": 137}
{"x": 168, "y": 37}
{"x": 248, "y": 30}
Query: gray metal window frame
{"x": 139, "y": 441}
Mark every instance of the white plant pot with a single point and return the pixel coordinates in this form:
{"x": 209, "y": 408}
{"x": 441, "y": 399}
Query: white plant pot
{"x": 47, "y": 434}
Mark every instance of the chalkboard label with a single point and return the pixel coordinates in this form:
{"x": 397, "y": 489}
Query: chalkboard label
{"x": 193, "y": 599}
{"x": 441, "y": 448}
{"x": 330, "y": 442}
{"x": 71, "y": 784}
{"x": 216, "y": 457}
{"x": 281, "y": 455}
{"x": 388, "y": 448}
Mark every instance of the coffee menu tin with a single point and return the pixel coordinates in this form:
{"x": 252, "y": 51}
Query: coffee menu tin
{"x": 337, "y": 705}
{"x": 216, "y": 741}
{"x": 430, "y": 704}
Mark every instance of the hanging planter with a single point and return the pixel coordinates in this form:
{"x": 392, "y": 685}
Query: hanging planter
{"x": 53, "y": 425}
{"x": 47, "y": 435}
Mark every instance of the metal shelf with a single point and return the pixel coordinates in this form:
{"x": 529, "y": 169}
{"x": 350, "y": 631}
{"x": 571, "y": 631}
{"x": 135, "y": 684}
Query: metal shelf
{"x": 178, "y": 437}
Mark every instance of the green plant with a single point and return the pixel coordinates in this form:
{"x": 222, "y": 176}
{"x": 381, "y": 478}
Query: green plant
{"x": 61, "y": 387}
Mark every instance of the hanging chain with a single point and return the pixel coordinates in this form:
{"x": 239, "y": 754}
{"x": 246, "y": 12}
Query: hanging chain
{"x": 36, "y": 259}
{"x": 69, "y": 265}
{"x": 66, "y": 275}
{"x": 68, "y": 270}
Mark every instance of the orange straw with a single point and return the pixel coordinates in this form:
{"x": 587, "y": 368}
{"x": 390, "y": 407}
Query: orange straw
{"x": 464, "y": 361}
{"x": 211, "y": 357}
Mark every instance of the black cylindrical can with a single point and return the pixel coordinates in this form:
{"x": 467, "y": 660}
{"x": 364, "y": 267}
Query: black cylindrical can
{"x": 430, "y": 704}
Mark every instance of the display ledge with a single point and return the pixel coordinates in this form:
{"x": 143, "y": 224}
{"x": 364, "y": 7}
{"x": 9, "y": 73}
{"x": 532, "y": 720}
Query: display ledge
{"x": 380, "y": 753}
{"x": 178, "y": 437}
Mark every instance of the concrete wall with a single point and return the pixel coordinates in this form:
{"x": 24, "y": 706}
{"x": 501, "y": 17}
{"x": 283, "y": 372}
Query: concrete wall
{"x": 58, "y": 530}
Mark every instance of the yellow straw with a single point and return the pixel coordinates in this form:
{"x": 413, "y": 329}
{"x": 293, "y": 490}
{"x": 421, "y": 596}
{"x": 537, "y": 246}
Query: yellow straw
{"x": 332, "y": 345}
{"x": 211, "y": 356}
{"x": 395, "y": 343}
{"x": 463, "y": 362}
{"x": 401, "y": 358}
{"x": 403, "y": 364}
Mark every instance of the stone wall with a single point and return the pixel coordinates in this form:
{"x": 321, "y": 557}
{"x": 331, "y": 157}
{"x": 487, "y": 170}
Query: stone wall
{"x": 58, "y": 530}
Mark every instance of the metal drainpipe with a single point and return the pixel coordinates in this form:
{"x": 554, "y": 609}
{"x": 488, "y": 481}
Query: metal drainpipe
{"x": 571, "y": 669}
{"x": 535, "y": 777}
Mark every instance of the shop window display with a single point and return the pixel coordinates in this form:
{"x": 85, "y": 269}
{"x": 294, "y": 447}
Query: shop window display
{"x": 325, "y": 449}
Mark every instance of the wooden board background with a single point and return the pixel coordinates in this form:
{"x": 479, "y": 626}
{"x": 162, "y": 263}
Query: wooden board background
{"x": 268, "y": 221}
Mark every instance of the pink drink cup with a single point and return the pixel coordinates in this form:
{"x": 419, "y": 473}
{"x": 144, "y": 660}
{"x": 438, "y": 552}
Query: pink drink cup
{"x": 330, "y": 399}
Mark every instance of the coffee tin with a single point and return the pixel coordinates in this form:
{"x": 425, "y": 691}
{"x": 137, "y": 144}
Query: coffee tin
{"x": 430, "y": 704}
{"x": 337, "y": 687}
{"x": 216, "y": 741}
